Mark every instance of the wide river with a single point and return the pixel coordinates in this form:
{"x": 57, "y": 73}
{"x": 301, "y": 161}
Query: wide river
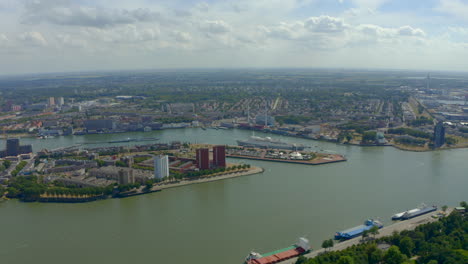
{"x": 220, "y": 222}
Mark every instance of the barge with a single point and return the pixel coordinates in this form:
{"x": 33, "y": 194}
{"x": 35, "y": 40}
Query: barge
{"x": 417, "y": 212}
{"x": 358, "y": 230}
{"x": 276, "y": 256}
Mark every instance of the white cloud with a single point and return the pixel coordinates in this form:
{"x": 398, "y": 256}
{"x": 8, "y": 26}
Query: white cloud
{"x": 215, "y": 27}
{"x": 33, "y": 38}
{"x": 325, "y": 24}
{"x": 67, "y": 14}
{"x": 411, "y": 32}
{"x": 183, "y": 37}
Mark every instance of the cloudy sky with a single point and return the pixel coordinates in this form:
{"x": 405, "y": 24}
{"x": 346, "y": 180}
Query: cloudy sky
{"x": 83, "y": 35}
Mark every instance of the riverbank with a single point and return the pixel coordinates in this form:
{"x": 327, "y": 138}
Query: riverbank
{"x": 252, "y": 170}
{"x": 410, "y": 224}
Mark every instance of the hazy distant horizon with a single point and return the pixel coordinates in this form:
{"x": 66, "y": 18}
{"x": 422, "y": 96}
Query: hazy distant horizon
{"x": 49, "y": 36}
{"x": 422, "y": 72}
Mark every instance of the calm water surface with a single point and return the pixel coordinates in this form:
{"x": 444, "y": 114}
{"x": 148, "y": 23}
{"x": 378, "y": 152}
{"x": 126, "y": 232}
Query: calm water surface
{"x": 220, "y": 222}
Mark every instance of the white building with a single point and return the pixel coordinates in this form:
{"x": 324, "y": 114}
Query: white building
{"x": 161, "y": 166}
{"x": 61, "y": 101}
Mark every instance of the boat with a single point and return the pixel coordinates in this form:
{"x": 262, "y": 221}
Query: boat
{"x": 400, "y": 215}
{"x": 268, "y": 142}
{"x": 45, "y": 137}
{"x": 420, "y": 210}
{"x": 302, "y": 247}
{"x": 358, "y": 230}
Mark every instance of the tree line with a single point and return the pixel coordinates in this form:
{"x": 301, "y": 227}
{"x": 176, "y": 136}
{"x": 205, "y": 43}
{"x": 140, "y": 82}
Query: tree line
{"x": 442, "y": 242}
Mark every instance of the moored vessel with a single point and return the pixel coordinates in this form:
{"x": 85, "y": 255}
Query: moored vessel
{"x": 357, "y": 230}
{"x": 420, "y": 210}
{"x": 268, "y": 142}
{"x": 276, "y": 256}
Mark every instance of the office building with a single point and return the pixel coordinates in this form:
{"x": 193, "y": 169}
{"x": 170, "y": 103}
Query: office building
{"x": 203, "y": 159}
{"x": 161, "y": 166}
{"x": 13, "y": 148}
{"x": 219, "y": 156}
{"x": 439, "y": 135}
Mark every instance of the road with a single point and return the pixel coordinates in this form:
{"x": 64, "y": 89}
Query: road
{"x": 386, "y": 231}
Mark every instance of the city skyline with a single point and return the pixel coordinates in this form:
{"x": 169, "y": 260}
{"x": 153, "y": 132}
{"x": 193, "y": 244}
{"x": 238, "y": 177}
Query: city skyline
{"x": 64, "y": 36}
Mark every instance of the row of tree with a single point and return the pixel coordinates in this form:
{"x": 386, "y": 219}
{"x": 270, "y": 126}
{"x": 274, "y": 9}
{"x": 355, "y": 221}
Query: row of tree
{"x": 18, "y": 168}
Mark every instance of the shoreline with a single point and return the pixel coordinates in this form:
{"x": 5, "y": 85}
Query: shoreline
{"x": 156, "y": 188}
{"x": 253, "y": 170}
{"x": 398, "y": 226}
{"x": 399, "y": 147}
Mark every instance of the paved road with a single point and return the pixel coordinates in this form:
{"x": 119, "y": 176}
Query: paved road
{"x": 386, "y": 231}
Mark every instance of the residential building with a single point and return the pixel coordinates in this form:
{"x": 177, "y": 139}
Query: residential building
{"x": 439, "y": 135}
{"x": 51, "y": 101}
{"x": 219, "y": 156}
{"x": 60, "y": 101}
{"x": 161, "y": 166}
{"x": 203, "y": 159}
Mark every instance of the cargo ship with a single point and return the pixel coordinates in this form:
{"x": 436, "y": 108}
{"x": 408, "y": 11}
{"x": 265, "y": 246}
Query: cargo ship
{"x": 276, "y": 256}
{"x": 358, "y": 230}
{"x": 268, "y": 142}
{"x": 422, "y": 209}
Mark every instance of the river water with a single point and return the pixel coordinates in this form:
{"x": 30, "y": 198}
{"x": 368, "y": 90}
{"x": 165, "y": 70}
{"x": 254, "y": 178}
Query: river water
{"x": 220, "y": 222}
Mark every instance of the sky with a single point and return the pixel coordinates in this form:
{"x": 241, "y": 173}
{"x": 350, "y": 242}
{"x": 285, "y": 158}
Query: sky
{"x": 88, "y": 35}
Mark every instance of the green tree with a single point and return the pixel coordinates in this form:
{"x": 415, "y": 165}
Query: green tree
{"x": 365, "y": 234}
{"x": 7, "y": 164}
{"x": 345, "y": 260}
{"x": 394, "y": 256}
{"x": 12, "y": 192}
{"x": 301, "y": 260}
{"x": 407, "y": 246}
{"x": 374, "y": 255}
{"x": 464, "y": 204}
{"x": 374, "y": 231}
{"x": 327, "y": 244}
{"x": 444, "y": 208}
{"x": 148, "y": 185}
{"x": 100, "y": 162}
